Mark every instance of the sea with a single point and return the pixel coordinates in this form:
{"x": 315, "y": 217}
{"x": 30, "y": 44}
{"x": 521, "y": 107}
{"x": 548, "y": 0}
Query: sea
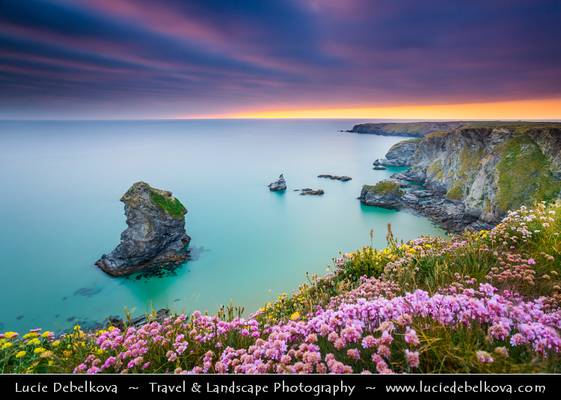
{"x": 60, "y": 211}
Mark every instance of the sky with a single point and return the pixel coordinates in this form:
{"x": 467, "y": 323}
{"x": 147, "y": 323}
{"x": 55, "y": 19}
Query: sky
{"x": 123, "y": 59}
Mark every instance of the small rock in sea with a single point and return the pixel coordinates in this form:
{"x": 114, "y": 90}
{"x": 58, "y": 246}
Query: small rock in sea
{"x": 311, "y": 192}
{"x": 87, "y": 292}
{"x": 343, "y": 178}
{"x": 279, "y": 185}
{"x": 155, "y": 236}
{"x": 379, "y": 168}
{"x": 19, "y": 317}
{"x": 70, "y": 319}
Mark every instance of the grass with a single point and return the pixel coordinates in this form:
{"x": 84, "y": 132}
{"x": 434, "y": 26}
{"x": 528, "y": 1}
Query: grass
{"x": 169, "y": 204}
{"x": 385, "y": 187}
{"x": 524, "y": 173}
{"x": 456, "y": 192}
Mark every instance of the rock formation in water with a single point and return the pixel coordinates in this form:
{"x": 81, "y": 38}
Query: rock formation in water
{"x": 385, "y": 194}
{"x": 155, "y": 236}
{"x": 279, "y": 185}
{"x": 310, "y": 192}
{"x": 343, "y": 178}
{"x": 472, "y": 176}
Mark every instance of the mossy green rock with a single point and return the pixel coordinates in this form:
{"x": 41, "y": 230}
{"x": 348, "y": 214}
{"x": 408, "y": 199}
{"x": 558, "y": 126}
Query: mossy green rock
{"x": 386, "y": 194}
{"x": 155, "y": 235}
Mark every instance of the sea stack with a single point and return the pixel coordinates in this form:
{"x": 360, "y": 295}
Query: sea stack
{"x": 155, "y": 236}
{"x": 279, "y": 185}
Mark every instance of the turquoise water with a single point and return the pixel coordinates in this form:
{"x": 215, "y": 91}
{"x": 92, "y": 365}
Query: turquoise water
{"x": 60, "y": 210}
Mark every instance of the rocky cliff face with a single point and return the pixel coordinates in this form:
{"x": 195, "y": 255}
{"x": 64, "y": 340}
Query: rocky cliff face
{"x": 487, "y": 171}
{"x": 155, "y": 236}
{"x": 400, "y": 154}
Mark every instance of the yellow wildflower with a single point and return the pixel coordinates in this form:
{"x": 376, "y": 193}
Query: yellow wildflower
{"x": 295, "y": 315}
{"x": 39, "y": 350}
{"x": 30, "y": 335}
{"x": 77, "y": 328}
{"x": 46, "y": 354}
{"x": 34, "y": 342}
{"x": 47, "y": 334}
{"x": 21, "y": 354}
{"x": 10, "y": 335}
{"x": 67, "y": 353}
{"x": 56, "y": 343}
{"x": 6, "y": 345}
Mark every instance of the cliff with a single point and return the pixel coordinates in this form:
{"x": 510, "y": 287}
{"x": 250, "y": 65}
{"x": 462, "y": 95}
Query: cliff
{"x": 155, "y": 234}
{"x": 421, "y": 129}
{"x": 413, "y": 129}
{"x": 400, "y": 154}
{"x": 480, "y": 173}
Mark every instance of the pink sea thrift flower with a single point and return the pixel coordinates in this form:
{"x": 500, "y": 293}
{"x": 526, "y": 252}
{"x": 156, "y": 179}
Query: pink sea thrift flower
{"x": 369, "y": 341}
{"x": 412, "y": 358}
{"x": 411, "y": 337}
{"x": 483, "y": 357}
{"x": 354, "y": 354}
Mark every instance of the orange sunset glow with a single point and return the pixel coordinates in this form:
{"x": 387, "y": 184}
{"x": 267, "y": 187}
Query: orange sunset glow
{"x": 544, "y": 109}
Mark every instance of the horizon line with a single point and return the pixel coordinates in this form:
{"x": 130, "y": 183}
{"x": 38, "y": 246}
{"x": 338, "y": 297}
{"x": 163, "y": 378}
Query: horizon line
{"x": 377, "y": 119}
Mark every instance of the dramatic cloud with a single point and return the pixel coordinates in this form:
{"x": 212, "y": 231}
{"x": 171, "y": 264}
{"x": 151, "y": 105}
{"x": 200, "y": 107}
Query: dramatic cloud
{"x": 143, "y": 58}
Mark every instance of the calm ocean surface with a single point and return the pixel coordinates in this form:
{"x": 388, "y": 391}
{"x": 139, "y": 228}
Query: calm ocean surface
{"x": 60, "y": 210}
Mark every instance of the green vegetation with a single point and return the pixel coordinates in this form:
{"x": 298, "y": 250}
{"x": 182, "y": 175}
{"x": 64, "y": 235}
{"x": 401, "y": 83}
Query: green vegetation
{"x": 438, "y": 129}
{"x": 386, "y": 187}
{"x": 524, "y": 174}
{"x": 456, "y": 192}
{"x": 435, "y": 170}
{"x": 437, "y": 134}
{"x": 469, "y": 162}
{"x": 168, "y": 203}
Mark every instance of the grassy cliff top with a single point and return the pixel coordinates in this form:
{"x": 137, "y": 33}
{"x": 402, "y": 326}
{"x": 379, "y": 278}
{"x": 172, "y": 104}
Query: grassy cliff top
{"x": 164, "y": 199}
{"x": 420, "y": 129}
{"x": 168, "y": 203}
